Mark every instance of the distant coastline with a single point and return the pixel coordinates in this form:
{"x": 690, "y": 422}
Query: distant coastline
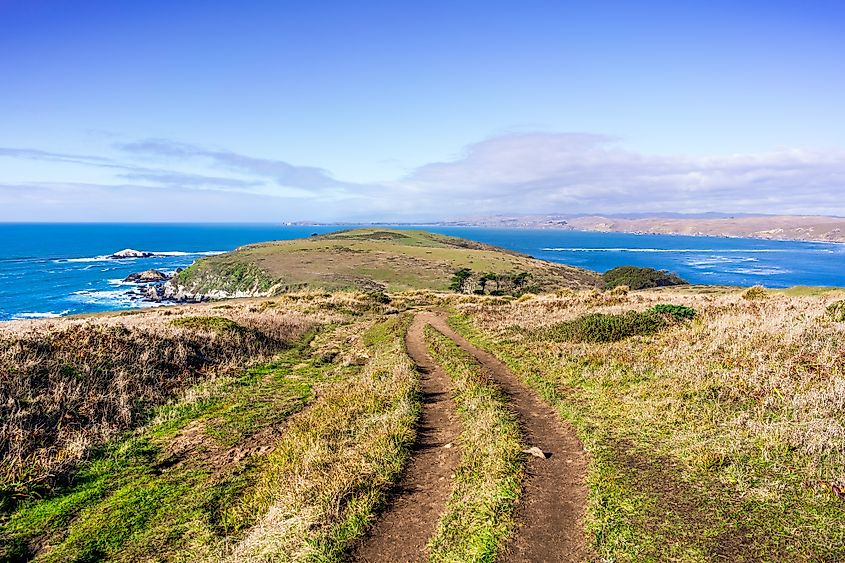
{"x": 803, "y": 228}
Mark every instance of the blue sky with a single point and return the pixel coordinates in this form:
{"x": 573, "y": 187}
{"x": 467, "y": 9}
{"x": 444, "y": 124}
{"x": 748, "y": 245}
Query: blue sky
{"x": 277, "y": 111}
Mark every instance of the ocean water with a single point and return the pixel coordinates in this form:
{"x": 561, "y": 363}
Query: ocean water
{"x": 53, "y": 270}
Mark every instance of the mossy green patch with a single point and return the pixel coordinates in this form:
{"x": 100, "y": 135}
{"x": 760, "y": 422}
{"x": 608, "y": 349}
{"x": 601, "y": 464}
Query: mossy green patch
{"x": 162, "y": 491}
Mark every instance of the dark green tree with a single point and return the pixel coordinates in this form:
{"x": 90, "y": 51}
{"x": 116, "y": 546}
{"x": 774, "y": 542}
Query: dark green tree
{"x": 460, "y": 280}
{"x": 640, "y": 278}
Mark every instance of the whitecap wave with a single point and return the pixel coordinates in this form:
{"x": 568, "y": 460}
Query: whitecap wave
{"x": 181, "y": 253}
{"x": 112, "y": 298}
{"x": 37, "y": 315}
{"x": 716, "y": 260}
{"x": 668, "y": 250}
{"x": 774, "y": 271}
{"x": 155, "y": 254}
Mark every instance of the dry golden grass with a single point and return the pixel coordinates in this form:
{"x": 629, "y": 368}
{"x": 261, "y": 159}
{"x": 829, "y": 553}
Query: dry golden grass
{"x": 69, "y": 385}
{"x": 745, "y": 405}
{"x": 479, "y": 515}
{"x": 333, "y": 466}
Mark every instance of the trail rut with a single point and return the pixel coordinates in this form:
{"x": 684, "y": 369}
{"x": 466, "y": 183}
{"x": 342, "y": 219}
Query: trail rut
{"x": 551, "y": 510}
{"x": 403, "y": 530}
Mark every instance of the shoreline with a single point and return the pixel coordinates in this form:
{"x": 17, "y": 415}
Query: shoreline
{"x": 76, "y": 292}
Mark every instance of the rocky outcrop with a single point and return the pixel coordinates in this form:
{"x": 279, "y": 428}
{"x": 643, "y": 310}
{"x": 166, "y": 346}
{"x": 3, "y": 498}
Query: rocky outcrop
{"x": 172, "y": 292}
{"x": 169, "y": 293}
{"x": 131, "y": 253}
{"x": 147, "y": 276}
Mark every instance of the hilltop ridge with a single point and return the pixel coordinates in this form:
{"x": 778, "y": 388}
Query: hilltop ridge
{"x": 374, "y": 259}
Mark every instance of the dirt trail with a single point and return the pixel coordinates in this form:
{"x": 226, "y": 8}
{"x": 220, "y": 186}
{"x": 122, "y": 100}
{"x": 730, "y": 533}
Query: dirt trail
{"x": 551, "y": 509}
{"x": 403, "y": 531}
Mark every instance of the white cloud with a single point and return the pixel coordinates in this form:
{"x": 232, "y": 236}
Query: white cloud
{"x": 516, "y": 173}
{"x": 580, "y": 173}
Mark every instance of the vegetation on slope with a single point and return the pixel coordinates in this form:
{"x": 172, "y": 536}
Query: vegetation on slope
{"x": 716, "y": 438}
{"x": 636, "y": 278}
{"x": 479, "y": 514}
{"x": 64, "y": 391}
{"x": 370, "y": 260}
{"x": 288, "y": 460}
{"x": 602, "y": 327}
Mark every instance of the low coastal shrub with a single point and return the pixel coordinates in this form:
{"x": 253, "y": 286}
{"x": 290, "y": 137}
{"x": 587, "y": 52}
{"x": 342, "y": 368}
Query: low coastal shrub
{"x": 836, "y": 311}
{"x": 680, "y": 312}
{"x": 601, "y": 327}
{"x": 754, "y": 293}
{"x": 640, "y": 278}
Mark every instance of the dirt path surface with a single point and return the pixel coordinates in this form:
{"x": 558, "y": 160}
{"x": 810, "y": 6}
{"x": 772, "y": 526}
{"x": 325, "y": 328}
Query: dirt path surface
{"x": 551, "y": 510}
{"x": 402, "y": 532}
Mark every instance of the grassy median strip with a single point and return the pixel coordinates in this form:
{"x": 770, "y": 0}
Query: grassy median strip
{"x": 479, "y": 514}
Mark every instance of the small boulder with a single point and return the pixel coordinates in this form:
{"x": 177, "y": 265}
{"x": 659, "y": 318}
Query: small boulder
{"x": 536, "y": 452}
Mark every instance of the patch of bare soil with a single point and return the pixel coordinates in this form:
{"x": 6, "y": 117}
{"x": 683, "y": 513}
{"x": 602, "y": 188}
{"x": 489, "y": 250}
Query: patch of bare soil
{"x": 551, "y": 510}
{"x": 192, "y": 445}
{"x": 402, "y": 533}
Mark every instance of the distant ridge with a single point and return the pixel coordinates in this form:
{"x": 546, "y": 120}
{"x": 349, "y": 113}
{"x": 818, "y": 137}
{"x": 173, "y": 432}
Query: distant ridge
{"x": 810, "y": 228}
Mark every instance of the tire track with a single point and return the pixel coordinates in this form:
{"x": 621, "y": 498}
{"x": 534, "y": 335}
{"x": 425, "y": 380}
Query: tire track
{"x": 551, "y": 510}
{"x": 402, "y": 532}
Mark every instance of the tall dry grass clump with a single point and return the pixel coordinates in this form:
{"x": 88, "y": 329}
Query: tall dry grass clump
{"x": 69, "y": 386}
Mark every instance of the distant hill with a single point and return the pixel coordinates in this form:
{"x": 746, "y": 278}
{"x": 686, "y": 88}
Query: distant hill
{"x": 774, "y": 227}
{"x": 783, "y": 227}
{"x": 366, "y": 259}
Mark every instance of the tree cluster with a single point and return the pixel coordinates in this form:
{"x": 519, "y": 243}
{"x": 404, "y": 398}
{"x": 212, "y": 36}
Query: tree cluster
{"x": 640, "y": 278}
{"x": 466, "y": 281}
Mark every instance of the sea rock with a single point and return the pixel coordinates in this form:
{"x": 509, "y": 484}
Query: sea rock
{"x": 147, "y": 276}
{"x": 131, "y": 253}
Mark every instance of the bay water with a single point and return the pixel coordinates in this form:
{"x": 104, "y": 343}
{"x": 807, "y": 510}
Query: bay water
{"x": 51, "y": 270}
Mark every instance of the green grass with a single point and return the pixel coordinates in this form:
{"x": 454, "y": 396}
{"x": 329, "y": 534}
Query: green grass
{"x": 479, "y": 514}
{"x": 140, "y": 499}
{"x": 808, "y": 291}
{"x": 671, "y": 476}
{"x": 602, "y": 327}
{"x": 291, "y": 460}
{"x": 368, "y": 259}
{"x": 331, "y": 471}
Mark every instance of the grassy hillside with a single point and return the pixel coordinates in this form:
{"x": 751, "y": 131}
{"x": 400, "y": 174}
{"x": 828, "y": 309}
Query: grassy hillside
{"x": 277, "y": 429}
{"x": 237, "y": 462}
{"x": 368, "y": 259}
{"x": 718, "y": 436}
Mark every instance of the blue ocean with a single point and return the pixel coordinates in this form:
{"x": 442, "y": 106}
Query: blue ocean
{"x": 64, "y": 269}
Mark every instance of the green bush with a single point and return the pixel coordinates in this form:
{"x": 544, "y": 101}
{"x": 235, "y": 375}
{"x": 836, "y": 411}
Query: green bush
{"x": 755, "y": 292}
{"x": 679, "y": 312}
{"x": 640, "y": 278}
{"x": 600, "y": 327}
{"x": 836, "y": 311}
